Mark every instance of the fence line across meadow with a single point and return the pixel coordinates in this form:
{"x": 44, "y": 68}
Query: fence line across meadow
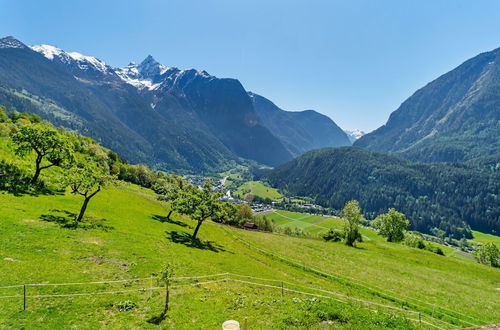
{"x": 108, "y": 281}
{"x": 228, "y": 278}
{"x": 228, "y": 275}
{"x": 447, "y": 313}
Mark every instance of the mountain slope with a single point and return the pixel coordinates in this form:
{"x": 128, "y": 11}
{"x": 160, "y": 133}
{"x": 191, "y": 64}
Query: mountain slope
{"x": 431, "y": 195}
{"x": 454, "y": 118}
{"x": 127, "y": 236}
{"x": 300, "y": 131}
{"x": 125, "y": 240}
{"x": 219, "y": 106}
{"x": 188, "y": 120}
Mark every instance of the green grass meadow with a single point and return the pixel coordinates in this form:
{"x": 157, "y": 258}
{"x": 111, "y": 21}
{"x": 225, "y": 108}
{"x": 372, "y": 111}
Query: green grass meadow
{"x": 266, "y": 280}
{"x": 127, "y": 238}
{"x": 258, "y": 189}
{"x": 485, "y": 238}
{"x": 314, "y": 224}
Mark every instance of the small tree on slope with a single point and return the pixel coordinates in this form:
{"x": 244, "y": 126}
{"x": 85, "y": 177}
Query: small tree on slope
{"x": 199, "y": 204}
{"x": 48, "y": 144}
{"x": 351, "y": 214}
{"x": 165, "y": 279}
{"x": 392, "y": 225}
{"x": 169, "y": 190}
{"x": 86, "y": 179}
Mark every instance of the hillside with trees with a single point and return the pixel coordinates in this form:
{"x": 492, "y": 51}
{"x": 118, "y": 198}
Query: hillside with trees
{"x": 112, "y": 253}
{"x": 450, "y": 197}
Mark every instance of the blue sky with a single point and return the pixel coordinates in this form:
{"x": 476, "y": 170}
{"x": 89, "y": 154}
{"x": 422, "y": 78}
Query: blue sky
{"x": 355, "y": 61}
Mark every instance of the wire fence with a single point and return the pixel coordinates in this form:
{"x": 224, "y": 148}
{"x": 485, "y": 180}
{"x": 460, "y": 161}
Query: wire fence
{"x": 461, "y": 318}
{"x": 283, "y": 286}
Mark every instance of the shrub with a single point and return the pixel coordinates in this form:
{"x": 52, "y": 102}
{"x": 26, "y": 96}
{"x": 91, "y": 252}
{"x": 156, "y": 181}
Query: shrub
{"x": 12, "y": 178}
{"x": 127, "y": 305}
{"x": 5, "y": 129}
{"x": 333, "y": 235}
{"x": 263, "y": 223}
{"x": 488, "y": 254}
{"x": 435, "y": 249}
{"x": 414, "y": 240}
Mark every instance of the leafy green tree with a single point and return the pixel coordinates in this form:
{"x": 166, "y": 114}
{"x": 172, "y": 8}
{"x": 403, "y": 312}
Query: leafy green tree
{"x": 228, "y": 214}
{"x": 169, "y": 189}
{"x": 488, "y": 254}
{"x": 4, "y": 118}
{"x": 199, "y": 204}
{"x": 263, "y": 223}
{"x": 47, "y": 143}
{"x": 392, "y": 225}
{"x": 351, "y": 214}
{"x": 87, "y": 179}
{"x": 245, "y": 212}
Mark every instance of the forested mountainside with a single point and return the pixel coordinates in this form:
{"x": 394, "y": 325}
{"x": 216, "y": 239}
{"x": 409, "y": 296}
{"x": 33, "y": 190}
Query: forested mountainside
{"x": 300, "y": 131}
{"x": 454, "y": 118}
{"x": 150, "y": 113}
{"x": 450, "y": 197}
{"x": 189, "y": 121}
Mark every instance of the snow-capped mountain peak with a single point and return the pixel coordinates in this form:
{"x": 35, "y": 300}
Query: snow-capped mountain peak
{"x": 151, "y": 75}
{"x": 82, "y": 61}
{"x": 47, "y": 50}
{"x": 150, "y": 67}
{"x": 147, "y": 74}
{"x": 354, "y": 134}
{"x": 11, "y": 42}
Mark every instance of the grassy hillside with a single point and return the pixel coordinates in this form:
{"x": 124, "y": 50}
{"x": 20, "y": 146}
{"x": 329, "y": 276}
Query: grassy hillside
{"x": 317, "y": 225}
{"x": 314, "y": 224}
{"x": 100, "y": 273}
{"x": 257, "y": 188}
{"x": 485, "y": 238}
{"x": 417, "y": 277}
{"x": 129, "y": 240}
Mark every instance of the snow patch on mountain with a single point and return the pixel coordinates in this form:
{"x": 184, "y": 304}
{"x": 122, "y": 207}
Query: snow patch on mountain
{"x": 151, "y": 75}
{"x": 82, "y": 61}
{"x": 133, "y": 75}
{"x": 11, "y": 42}
{"x": 354, "y": 134}
{"x": 47, "y": 50}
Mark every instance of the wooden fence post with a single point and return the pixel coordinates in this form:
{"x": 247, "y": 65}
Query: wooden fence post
{"x": 151, "y": 287}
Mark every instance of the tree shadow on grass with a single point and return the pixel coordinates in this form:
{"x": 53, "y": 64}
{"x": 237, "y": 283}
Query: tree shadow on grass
{"x": 187, "y": 240}
{"x": 165, "y": 219}
{"x": 157, "y": 319}
{"x": 66, "y": 219}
